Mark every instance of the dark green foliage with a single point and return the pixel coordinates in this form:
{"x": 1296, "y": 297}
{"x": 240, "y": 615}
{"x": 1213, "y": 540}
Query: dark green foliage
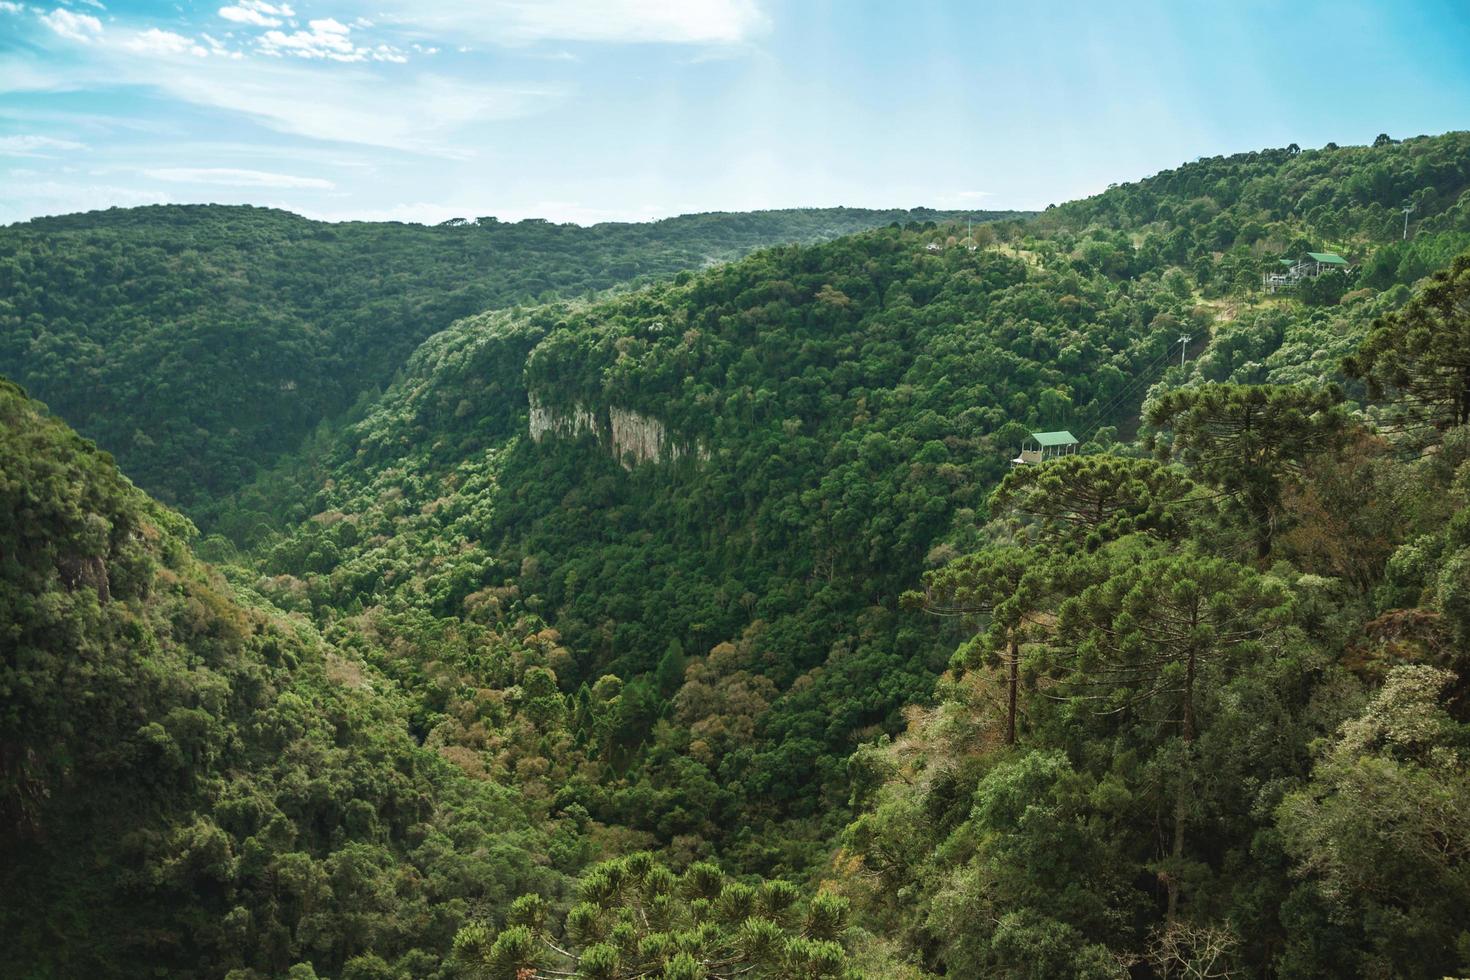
{"x": 193, "y": 784}
{"x": 831, "y": 413}
{"x": 1419, "y": 357}
{"x": 198, "y": 343}
{"x": 1167, "y": 808}
{"x": 1090, "y": 499}
{"x": 633, "y": 572}
{"x": 1381, "y": 835}
{"x": 1217, "y": 203}
{"x": 1250, "y": 441}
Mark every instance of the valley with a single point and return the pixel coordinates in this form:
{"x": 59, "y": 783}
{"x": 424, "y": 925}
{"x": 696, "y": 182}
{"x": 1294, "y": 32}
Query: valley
{"x": 662, "y": 600}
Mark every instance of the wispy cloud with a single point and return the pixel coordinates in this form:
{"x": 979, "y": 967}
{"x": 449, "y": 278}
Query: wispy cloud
{"x": 256, "y": 13}
{"x": 24, "y": 198}
{"x": 420, "y": 112}
{"x": 617, "y": 21}
{"x": 229, "y": 177}
{"x": 72, "y": 26}
{"x": 35, "y": 146}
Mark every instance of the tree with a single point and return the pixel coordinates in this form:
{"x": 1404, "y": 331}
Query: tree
{"x": 996, "y": 590}
{"x": 1381, "y": 838}
{"x": 1249, "y": 440}
{"x": 670, "y": 672}
{"x": 636, "y": 918}
{"x": 1094, "y": 497}
{"x": 1162, "y": 632}
{"x": 1419, "y": 357}
{"x": 1383, "y": 139}
{"x": 1348, "y": 516}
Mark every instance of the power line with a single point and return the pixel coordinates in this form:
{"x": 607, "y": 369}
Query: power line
{"x": 1101, "y": 415}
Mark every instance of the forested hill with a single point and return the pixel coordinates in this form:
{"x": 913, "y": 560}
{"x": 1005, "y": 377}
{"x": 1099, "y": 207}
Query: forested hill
{"x": 191, "y": 783}
{"x": 197, "y": 343}
{"x": 1218, "y": 214}
{"x": 722, "y": 596}
{"x": 749, "y": 465}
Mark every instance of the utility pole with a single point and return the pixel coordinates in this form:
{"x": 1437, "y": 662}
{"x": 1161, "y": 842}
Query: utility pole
{"x": 1183, "y": 346}
{"x": 1407, "y": 209}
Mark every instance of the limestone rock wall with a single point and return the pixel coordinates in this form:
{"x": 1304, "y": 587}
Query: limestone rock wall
{"x": 631, "y": 437}
{"x": 567, "y": 424}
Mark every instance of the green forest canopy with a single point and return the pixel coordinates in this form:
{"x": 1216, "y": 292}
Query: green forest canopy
{"x": 198, "y": 343}
{"x": 1240, "y": 732}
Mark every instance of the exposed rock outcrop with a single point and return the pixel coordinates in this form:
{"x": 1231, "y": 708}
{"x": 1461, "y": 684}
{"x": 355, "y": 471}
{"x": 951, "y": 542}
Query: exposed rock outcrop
{"x": 630, "y": 436}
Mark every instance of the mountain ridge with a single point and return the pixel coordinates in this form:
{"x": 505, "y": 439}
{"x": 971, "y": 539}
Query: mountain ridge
{"x": 280, "y": 323}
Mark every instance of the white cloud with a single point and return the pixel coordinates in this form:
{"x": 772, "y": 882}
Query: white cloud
{"x": 7, "y": 7}
{"x": 256, "y": 13}
{"x": 623, "y": 21}
{"x": 228, "y": 177}
{"x": 327, "y": 38}
{"x": 74, "y": 27}
{"x": 156, "y": 42}
{"x": 420, "y": 113}
{"x": 34, "y": 146}
{"x": 216, "y": 46}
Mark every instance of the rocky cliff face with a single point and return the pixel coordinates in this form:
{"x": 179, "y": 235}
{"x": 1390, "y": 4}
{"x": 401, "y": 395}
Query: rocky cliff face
{"x": 631, "y": 438}
{"x": 564, "y": 423}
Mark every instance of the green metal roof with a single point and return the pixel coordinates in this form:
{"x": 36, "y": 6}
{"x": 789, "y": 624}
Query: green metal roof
{"x": 1286, "y": 261}
{"x": 1328, "y": 258}
{"x": 1062, "y": 438}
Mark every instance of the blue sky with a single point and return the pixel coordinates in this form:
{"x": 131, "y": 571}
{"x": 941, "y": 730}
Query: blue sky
{"x": 588, "y": 110}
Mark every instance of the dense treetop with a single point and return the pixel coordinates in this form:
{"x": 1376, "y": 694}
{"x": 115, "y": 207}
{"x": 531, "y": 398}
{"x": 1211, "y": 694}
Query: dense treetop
{"x": 192, "y": 782}
{"x": 197, "y": 343}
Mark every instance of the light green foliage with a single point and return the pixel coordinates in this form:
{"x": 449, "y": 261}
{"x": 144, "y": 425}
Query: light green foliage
{"x": 636, "y": 918}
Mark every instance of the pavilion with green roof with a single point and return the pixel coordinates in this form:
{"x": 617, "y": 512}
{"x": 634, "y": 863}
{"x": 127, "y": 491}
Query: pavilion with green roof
{"x": 1324, "y": 261}
{"x": 1042, "y": 446}
{"x": 1309, "y": 266}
